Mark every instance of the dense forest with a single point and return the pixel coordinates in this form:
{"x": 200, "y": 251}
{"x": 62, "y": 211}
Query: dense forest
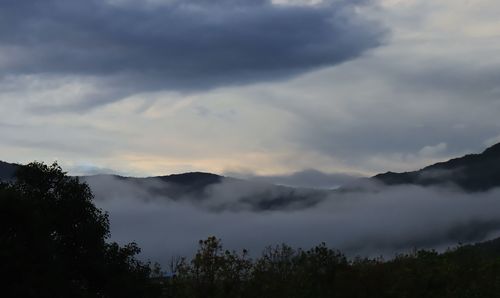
{"x": 54, "y": 242}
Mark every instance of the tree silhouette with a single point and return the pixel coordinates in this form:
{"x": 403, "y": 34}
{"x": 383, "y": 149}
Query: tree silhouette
{"x": 53, "y": 241}
{"x": 213, "y": 272}
{"x": 284, "y": 272}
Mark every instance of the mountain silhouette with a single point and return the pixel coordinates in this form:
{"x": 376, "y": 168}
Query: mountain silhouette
{"x": 212, "y": 191}
{"x": 472, "y": 172}
{"x": 175, "y": 185}
{"x": 7, "y": 170}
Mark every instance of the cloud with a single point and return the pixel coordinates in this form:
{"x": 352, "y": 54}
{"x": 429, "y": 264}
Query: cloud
{"x": 377, "y": 221}
{"x": 492, "y": 141}
{"x": 223, "y": 195}
{"x": 430, "y": 151}
{"x": 178, "y": 45}
{"x": 89, "y": 169}
{"x": 371, "y": 112}
{"x": 309, "y": 178}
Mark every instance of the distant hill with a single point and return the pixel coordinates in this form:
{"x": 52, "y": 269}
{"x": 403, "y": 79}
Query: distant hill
{"x": 170, "y": 185}
{"x": 473, "y": 172}
{"x": 7, "y": 170}
{"x": 208, "y": 190}
{"x": 217, "y": 192}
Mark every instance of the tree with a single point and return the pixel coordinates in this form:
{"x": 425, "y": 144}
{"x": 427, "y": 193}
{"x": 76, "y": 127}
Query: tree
{"x": 213, "y": 272}
{"x": 54, "y": 241}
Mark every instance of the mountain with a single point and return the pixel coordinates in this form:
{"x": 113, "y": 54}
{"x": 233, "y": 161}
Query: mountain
{"x": 175, "y": 185}
{"x": 207, "y": 190}
{"x": 7, "y": 170}
{"x": 473, "y": 172}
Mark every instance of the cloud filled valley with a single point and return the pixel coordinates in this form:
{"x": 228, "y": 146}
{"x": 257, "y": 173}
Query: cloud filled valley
{"x": 375, "y": 220}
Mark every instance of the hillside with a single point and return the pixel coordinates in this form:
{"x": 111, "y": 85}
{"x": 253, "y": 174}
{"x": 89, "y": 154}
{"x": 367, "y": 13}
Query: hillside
{"x": 211, "y": 191}
{"x": 214, "y": 191}
{"x": 7, "y": 170}
{"x": 473, "y": 172}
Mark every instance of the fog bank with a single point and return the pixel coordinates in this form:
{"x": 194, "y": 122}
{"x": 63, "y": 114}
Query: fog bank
{"x": 379, "y": 221}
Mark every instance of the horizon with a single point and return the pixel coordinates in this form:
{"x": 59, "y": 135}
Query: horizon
{"x": 248, "y": 175}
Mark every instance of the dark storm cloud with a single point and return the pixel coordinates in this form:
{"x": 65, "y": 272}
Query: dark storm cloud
{"x": 179, "y": 45}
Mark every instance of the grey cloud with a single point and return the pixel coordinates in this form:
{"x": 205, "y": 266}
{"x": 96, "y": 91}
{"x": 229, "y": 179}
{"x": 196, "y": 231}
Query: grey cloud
{"x": 309, "y": 178}
{"x": 379, "y": 137}
{"x": 465, "y": 80}
{"x": 241, "y": 195}
{"x": 227, "y": 194}
{"x": 440, "y": 174}
{"x": 369, "y": 118}
{"x": 87, "y": 169}
{"x": 398, "y": 135}
{"x": 52, "y": 139}
{"x": 379, "y": 221}
{"x": 179, "y": 45}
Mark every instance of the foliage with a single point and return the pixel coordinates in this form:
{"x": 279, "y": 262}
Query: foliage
{"x": 213, "y": 272}
{"x": 53, "y": 241}
{"x": 281, "y": 271}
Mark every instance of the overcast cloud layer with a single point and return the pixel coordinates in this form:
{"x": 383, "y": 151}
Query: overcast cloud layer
{"x": 249, "y": 87}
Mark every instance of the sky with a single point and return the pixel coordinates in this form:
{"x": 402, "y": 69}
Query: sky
{"x": 252, "y": 88}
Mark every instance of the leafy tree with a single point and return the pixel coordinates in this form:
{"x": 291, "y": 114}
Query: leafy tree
{"x": 281, "y": 271}
{"x": 53, "y": 241}
{"x": 213, "y": 272}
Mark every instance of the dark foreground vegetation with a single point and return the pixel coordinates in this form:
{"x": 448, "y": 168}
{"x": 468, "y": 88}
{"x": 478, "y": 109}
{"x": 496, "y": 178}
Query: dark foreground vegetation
{"x": 468, "y": 271}
{"x": 55, "y": 243}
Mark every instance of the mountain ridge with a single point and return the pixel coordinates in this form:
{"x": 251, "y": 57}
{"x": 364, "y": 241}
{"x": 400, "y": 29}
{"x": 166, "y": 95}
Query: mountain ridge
{"x": 7, "y": 170}
{"x": 471, "y": 172}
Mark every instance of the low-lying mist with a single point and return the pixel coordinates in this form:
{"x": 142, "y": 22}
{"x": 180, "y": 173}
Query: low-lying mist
{"x": 372, "y": 222}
